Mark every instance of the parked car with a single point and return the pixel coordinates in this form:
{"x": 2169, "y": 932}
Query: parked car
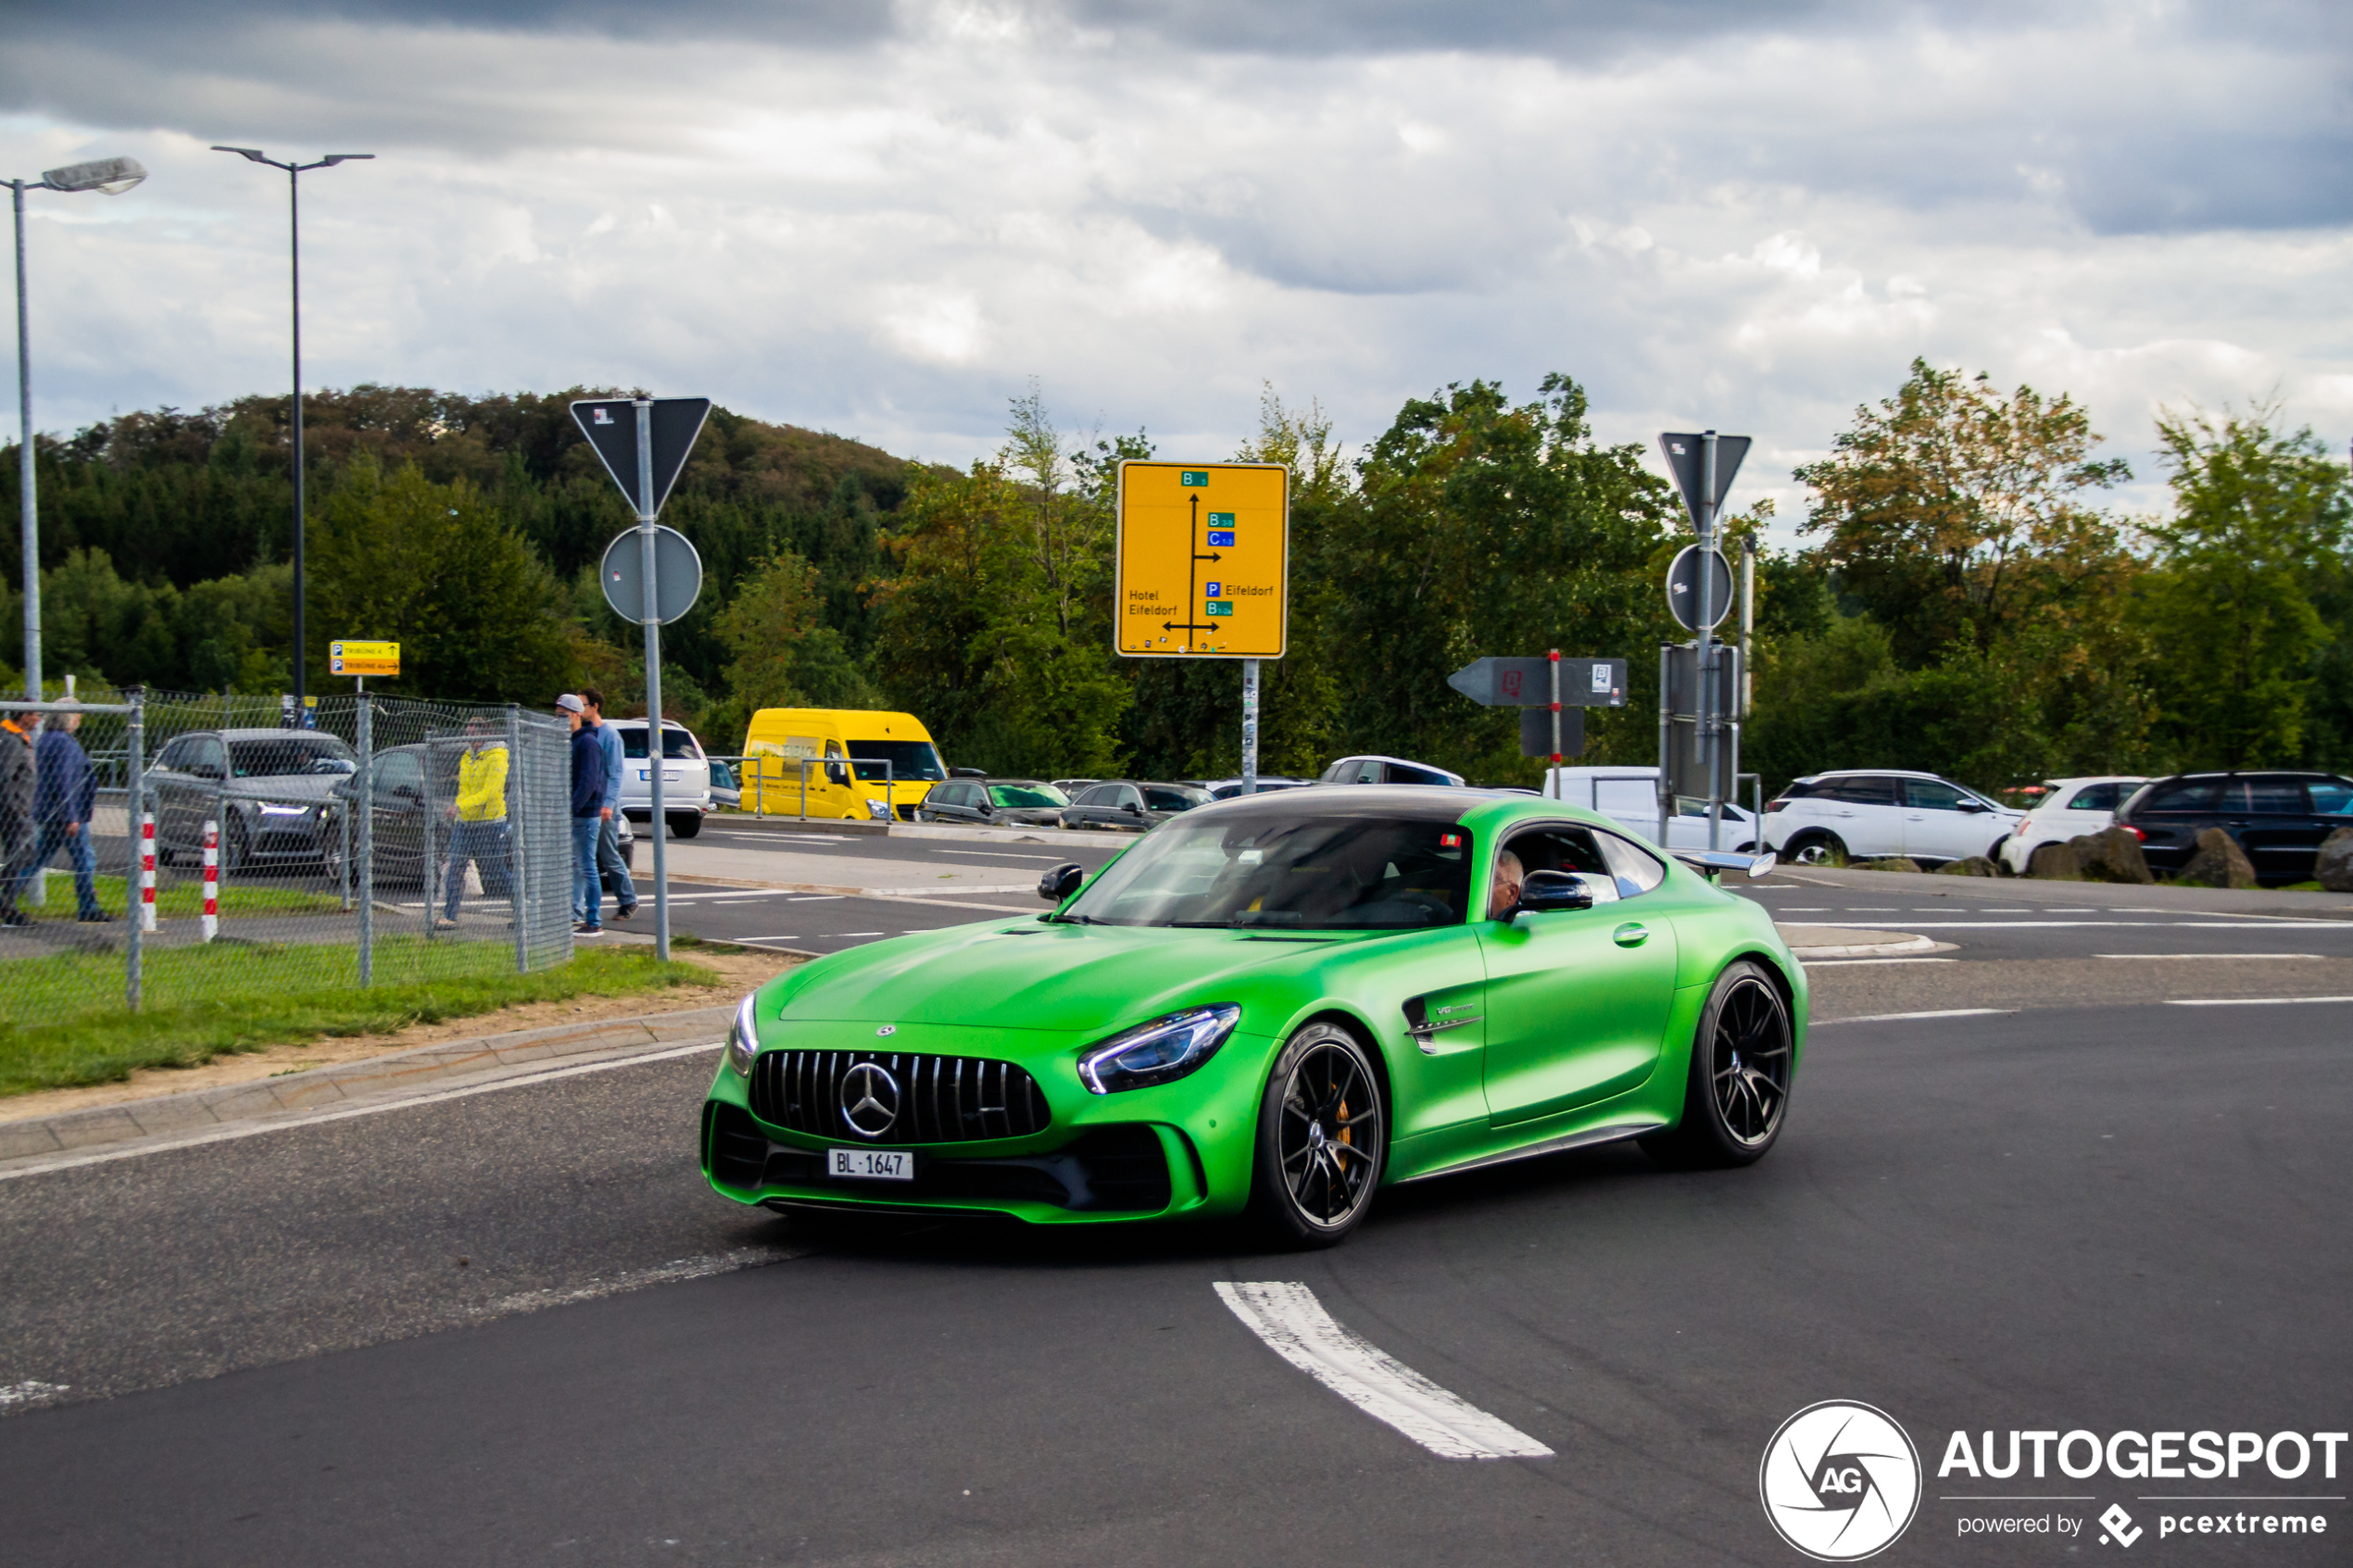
{"x": 2278, "y": 817}
{"x": 686, "y": 777}
{"x": 1130, "y": 805}
{"x": 1071, "y": 786}
{"x": 1025, "y": 803}
{"x": 1387, "y": 769}
{"x": 2063, "y": 810}
{"x": 1628, "y": 795}
{"x": 270, "y": 792}
{"x": 1868, "y": 815}
{"x": 724, "y": 794}
{"x": 1227, "y": 789}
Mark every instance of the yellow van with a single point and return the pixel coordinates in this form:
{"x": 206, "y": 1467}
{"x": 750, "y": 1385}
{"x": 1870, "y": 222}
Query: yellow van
{"x": 845, "y": 755}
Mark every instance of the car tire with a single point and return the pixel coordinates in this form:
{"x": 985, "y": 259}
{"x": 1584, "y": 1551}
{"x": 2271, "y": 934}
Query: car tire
{"x": 1736, "y": 1095}
{"x": 1994, "y": 854}
{"x": 683, "y": 824}
{"x": 236, "y": 843}
{"x": 1321, "y": 1139}
{"x": 1814, "y": 847}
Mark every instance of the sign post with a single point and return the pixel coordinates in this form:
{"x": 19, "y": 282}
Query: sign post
{"x": 642, "y": 442}
{"x": 1552, "y": 724}
{"x": 1704, "y": 465}
{"x": 1202, "y": 568}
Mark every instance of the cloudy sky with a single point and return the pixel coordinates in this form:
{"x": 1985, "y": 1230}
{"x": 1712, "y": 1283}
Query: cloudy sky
{"x": 884, "y": 220}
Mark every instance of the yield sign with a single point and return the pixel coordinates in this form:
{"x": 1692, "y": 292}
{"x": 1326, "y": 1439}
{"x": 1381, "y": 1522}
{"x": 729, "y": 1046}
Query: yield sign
{"x": 610, "y": 425}
{"x": 1686, "y": 456}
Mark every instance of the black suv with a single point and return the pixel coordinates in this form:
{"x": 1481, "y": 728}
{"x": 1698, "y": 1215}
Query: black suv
{"x": 2279, "y": 819}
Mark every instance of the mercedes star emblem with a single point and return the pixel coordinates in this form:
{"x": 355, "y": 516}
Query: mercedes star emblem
{"x": 869, "y": 1100}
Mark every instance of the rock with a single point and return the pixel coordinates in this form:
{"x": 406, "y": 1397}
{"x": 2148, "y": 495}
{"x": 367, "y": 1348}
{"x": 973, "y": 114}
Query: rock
{"x": 1976, "y": 865}
{"x": 2218, "y": 862}
{"x": 2334, "y": 866}
{"x": 2055, "y": 862}
{"x": 1888, "y": 863}
{"x": 2111, "y": 854}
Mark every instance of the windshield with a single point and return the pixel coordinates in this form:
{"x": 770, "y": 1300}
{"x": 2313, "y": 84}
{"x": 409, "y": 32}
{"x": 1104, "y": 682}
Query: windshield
{"x": 909, "y": 759}
{"x": 1313, "y": 870}
{"x": 276, "y": 759}
{"x": 677, "y": 745}
{"x": 1019, "y": 795}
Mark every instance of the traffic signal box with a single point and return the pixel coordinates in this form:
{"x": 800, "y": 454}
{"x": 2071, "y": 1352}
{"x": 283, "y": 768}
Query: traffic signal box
{"x": 1203, "y": 560}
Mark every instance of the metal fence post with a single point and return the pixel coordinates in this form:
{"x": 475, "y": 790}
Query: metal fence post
{"x": 134, "y": 911}
{"x": 364, "y": 840}
{"x": 516, "y": 889}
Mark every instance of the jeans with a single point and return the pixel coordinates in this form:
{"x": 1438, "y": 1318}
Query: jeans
{"x": 587, "y": 897}
{"x": 485, "y": 845}
{"x": 609, "y": 860}
{"x": 86, "y": 864}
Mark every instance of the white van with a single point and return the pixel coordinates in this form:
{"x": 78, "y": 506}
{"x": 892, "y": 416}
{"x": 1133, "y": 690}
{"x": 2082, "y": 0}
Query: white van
{"x": 1628, "y": 795}
{"x": 686, "y": 777}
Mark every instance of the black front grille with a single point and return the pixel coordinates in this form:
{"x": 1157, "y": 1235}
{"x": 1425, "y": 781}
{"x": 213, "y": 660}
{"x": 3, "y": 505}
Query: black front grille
{"x": 1118, "y": 1169}
{"x": 941, "y": 1098}
{"x": 906, "y": 813}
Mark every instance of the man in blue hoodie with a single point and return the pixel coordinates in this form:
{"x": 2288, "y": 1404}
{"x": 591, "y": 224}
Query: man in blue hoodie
{"x": 64, "y": 791}
{"x": 608, "y": 861}
{"x": 587, "y": 816}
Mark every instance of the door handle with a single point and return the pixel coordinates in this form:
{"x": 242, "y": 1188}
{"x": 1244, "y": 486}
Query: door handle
{"x": 1633, "y": 934}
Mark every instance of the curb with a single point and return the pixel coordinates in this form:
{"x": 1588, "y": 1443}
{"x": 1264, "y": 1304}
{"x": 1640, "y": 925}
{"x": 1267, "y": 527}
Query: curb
{"x": 1868, "y": 950}
{"x": 74, "y": 1131}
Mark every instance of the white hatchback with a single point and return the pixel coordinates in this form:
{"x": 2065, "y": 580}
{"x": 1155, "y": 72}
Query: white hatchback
{"x": 2071, "y": 806}
{"x": 686, "y": 777}
{"x": 1872, "y": 815}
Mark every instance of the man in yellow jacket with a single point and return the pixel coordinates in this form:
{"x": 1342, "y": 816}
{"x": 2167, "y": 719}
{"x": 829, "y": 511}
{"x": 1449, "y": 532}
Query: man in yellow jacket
{"x": 479, "y": 833}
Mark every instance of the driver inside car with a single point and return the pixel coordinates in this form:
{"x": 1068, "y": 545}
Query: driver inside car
{"x": 1504, "y": 894}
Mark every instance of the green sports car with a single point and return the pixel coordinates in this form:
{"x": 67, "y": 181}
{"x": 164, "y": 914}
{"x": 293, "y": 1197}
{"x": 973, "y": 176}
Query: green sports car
{"x": 1273, "y": 1005}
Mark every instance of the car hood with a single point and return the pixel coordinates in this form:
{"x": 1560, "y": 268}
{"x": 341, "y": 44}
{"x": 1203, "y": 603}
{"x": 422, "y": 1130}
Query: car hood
{"x": 1033, "y": 975}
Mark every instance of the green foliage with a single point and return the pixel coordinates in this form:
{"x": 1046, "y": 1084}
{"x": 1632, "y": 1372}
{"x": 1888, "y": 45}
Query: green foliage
{"x": 436, "y": 569}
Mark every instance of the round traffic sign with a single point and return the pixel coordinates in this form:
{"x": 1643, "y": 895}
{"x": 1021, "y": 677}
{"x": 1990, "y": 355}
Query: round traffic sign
{"x": 1682, "y": 587}
{"x": 677, "y": 575}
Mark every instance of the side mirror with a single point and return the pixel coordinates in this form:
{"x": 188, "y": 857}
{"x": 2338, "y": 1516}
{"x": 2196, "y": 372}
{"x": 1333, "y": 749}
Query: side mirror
{"x": 1061, "y": 881}
{"x": 1974, "y": 807}
{"x": 986, "y": 809}
{"x": 1552, "y": 890}
{"x": 1133, "y": 809}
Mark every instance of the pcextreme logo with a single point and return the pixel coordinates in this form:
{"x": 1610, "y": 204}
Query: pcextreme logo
{"x": 1840, "y": 1481}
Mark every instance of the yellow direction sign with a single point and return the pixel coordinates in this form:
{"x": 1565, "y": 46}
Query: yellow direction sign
{"x": 1203, "y": 560}
{"x": 364, "y": 658}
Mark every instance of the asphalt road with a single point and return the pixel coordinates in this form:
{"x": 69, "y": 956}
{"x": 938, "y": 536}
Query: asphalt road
{"x": 516, "y": 1328}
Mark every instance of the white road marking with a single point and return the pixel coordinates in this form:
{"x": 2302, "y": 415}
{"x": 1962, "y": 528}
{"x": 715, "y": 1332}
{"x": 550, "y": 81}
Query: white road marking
{"x": 2207, "y": 955}
{"x": 997, "y": 854}
{"x": 2249, "y": 1001}
{"x": 1907, "y": 1017}
{"x": 1295, "y": 1326}
{"x": 2268, "y": 922}
{"x": 31, "y": 1393}
{"x": 816, "y": 899}
{"x": 345, "y": 1113}
{"x": 638, "y": 1279}
{"x": 846, "y": 935}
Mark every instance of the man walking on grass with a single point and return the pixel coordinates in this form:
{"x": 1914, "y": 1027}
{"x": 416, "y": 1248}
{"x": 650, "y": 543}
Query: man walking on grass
{"x": 608, "y": 861}
{"x": 65, "y": 792}
{"x": 588, "y": 818}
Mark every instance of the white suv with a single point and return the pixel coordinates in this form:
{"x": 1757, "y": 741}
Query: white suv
{"x": 1870, "y": 815}
{"x": 686, "y": 777}
{"x": 2071, "y": 806}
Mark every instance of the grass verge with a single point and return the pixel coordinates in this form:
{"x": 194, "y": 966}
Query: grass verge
{"x": 63, "y": 1023}
{"x": 187, "y": 899}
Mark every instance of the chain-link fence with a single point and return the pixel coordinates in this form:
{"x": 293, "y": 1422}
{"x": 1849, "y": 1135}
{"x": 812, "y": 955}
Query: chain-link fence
{"x": 365, "y": 841}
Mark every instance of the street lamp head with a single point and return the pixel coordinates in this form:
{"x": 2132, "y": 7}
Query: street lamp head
{"x": 111, "y": 176}
{"x": 333, "y": 158}
{"x": 253, "y": 153}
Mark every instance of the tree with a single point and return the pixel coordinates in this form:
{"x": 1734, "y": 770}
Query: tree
{"x": 1952, "y": 513}
{"x": 435, "y": 568}
{"x": 2259, "y": 526}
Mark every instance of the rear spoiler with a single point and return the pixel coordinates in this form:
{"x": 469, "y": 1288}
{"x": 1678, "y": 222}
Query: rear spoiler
{"x": 1752, "y": 866}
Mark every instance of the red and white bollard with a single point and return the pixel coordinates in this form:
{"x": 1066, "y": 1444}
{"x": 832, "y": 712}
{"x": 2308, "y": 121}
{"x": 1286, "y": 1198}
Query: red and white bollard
{"x": 211, "y": 879}
{"x": 147, "y": 872}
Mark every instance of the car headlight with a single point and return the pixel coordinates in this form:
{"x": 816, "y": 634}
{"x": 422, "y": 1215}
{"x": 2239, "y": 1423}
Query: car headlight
{"x": 1158, "y": 1052}
{"x": 878, "y": 810}
{"x": 271, "y": 808}
{"x": 743, "y": 1037}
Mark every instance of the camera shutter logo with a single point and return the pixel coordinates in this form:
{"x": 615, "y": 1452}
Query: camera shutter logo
{"x": 1840, "y": 1481}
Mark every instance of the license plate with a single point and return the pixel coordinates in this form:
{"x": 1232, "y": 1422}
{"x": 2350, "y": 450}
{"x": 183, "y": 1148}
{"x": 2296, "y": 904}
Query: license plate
{"x": 871, "y": 1164}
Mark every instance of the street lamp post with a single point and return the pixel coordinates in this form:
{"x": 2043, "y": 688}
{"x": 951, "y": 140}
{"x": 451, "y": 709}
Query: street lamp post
{"x": 294, "y": 243}
{"x": 109, "y": 176}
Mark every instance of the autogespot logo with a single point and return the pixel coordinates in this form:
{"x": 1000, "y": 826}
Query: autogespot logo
{"x": 1841, "y": 1481}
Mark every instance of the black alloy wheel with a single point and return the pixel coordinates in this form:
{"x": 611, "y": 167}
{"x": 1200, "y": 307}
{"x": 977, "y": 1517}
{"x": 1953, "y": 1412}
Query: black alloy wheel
{"x": 1321, "y": 1143}
{"x": 1737, "y": 1093}
{"x": 1816, "y": 849}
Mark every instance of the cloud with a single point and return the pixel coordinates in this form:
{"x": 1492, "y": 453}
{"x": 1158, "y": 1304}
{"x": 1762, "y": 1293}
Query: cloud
{"x": 884, "y": 221}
